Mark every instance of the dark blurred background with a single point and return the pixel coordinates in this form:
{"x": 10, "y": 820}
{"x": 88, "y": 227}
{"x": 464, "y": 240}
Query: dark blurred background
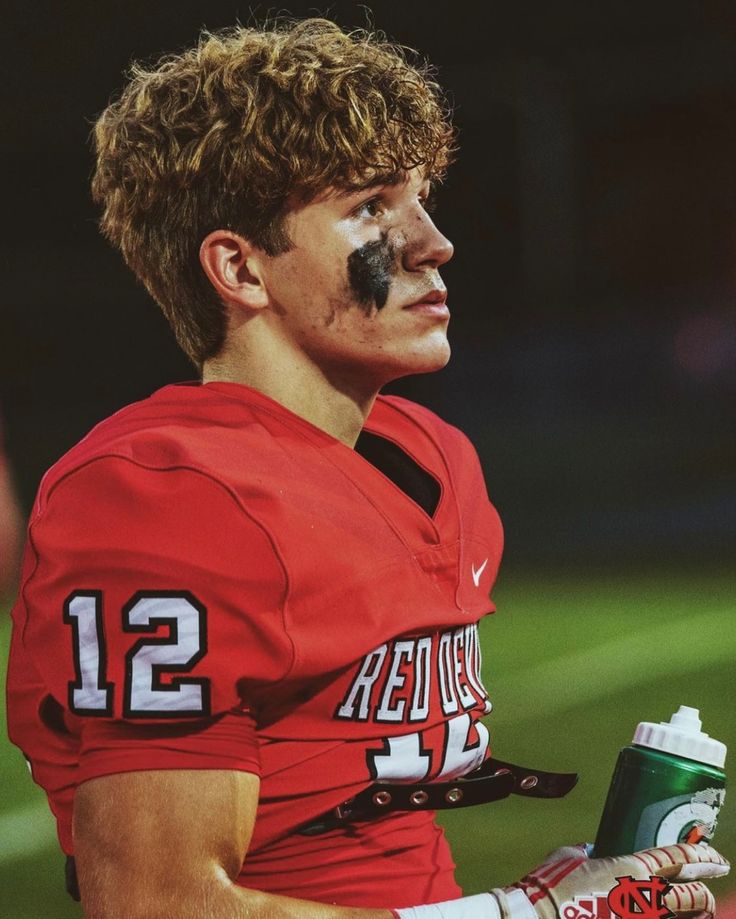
{"x": 593, "y": 209}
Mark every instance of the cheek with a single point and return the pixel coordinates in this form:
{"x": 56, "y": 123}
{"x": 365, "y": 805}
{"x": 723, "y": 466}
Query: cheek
{"x": 303, "y": 284}
{"x": 370, "y": 269}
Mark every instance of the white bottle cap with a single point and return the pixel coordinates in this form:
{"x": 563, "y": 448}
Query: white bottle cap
{"x": 682, "y": 736}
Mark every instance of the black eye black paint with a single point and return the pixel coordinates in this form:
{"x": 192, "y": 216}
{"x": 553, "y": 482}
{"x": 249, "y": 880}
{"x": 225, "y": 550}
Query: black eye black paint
{"x": 369, "y": 272}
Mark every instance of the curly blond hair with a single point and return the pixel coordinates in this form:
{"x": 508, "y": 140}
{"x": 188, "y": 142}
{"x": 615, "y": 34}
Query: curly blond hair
{"x": 229, "y": 133}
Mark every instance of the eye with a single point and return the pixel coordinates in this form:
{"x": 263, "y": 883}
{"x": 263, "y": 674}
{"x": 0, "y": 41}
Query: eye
{"x": 370, "y": 208}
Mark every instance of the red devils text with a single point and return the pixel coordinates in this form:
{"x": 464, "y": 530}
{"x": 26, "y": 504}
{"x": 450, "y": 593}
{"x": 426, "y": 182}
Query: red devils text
{"x": 396, "y": 682}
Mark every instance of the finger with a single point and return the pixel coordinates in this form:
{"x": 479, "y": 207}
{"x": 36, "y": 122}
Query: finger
{"x": 690, "y": 898}
{"x": 702, "y": 870}
{"x": 686, "y": 861}
{"x": 698, "y": 853}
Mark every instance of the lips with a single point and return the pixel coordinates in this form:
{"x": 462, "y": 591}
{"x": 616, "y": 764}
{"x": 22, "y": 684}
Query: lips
{"x": 435, "y": 298}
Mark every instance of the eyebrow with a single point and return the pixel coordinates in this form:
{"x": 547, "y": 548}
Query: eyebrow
{"x": 369, "y": 186}
{"x": 377, "y": 184}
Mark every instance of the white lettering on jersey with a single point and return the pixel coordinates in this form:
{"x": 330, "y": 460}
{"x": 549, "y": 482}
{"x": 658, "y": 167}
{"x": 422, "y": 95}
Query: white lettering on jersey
{"x": 395, "y": 682}
{"x": 362, "y": 686}
{"x": 401, "y": 760}
{"x": 420, "y": 700}
{"x": 467, "y": 699}
{"x": 404, "y": 758}
{"x": 465, "y": 749}
{"x": 473, "y": 659}
{"x": 447, "y": 688}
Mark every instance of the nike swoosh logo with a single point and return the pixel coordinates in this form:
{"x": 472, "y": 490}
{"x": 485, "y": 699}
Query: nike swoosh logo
{"x": 478, "y": 573}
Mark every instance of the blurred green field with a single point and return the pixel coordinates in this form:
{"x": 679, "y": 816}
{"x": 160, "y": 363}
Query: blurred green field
{"x": 571, "y": 664}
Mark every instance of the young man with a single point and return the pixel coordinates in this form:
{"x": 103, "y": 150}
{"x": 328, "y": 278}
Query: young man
{"x": 250, "y": 599}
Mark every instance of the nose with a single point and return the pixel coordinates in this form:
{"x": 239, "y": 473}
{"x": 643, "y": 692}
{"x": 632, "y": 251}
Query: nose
{"x": 425, "y": 246}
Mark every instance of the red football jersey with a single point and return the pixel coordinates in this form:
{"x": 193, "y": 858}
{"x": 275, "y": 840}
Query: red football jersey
{"x": 211, "y": 581}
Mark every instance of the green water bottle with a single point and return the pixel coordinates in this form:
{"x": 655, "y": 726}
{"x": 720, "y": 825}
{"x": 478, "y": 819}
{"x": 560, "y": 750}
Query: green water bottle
{"x": 667, "y": 787}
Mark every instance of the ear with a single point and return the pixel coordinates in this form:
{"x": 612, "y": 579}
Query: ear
{"x": 233, "y": 267}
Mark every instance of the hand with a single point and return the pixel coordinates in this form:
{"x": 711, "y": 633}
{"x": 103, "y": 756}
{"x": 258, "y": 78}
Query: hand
{"x": 569, "y": 885}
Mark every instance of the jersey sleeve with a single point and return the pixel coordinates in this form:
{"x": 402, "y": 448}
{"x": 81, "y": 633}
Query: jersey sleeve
{"x": 152, "y": 615}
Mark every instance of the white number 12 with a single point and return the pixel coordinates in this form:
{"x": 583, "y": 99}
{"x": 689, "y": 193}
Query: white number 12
{"x": 145, "y": 694}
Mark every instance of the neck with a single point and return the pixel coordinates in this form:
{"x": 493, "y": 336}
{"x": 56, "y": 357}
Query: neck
{"x": 328, "y": 401}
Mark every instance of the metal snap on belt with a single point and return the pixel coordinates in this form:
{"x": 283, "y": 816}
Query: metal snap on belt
{"x": 454, "y": 795}
{"x": 502, "y": 772}
{"x": 381, "y": 798}
{"x": 418, "y": 798}
{"x": 529, "y": 782}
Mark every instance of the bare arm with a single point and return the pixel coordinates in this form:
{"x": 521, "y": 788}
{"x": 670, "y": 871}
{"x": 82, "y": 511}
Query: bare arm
{"x": 152, "y": 845}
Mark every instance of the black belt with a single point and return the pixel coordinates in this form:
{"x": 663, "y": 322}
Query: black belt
{"x": 491, "y": 782}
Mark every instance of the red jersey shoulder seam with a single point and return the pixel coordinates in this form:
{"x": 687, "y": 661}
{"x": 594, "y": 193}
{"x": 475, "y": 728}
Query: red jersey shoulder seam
{"x": 171, "y": 468}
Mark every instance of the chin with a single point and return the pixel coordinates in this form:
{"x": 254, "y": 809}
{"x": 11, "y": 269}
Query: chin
{"x": 435, "y": 353}
{"x": 426, "y": 359}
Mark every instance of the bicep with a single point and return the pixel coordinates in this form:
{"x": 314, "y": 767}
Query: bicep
{"x": 172, "y": 831}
